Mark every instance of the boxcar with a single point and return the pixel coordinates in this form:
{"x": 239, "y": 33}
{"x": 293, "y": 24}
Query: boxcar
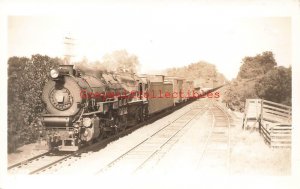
{"x": 177, "y": 88}
{"x": 156, "y": 88}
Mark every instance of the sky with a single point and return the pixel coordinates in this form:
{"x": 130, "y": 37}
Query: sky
{"x": 161, "y": 37}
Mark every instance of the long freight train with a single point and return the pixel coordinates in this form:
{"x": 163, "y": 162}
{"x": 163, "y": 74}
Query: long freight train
{"x": 82, "y": 108}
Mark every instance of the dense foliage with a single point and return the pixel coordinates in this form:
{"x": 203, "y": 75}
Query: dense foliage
{"x": 276, "y": 85}
{"x": 259, "y": 77}
{"x": 26, "y": 78}
{"x": 256, "y": 66}
{"x": 202, "y": 73}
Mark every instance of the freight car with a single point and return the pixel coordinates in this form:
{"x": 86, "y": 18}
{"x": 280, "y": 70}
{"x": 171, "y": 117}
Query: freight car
{"x": 82, "y": 108}
{"x": 178, "y": 89}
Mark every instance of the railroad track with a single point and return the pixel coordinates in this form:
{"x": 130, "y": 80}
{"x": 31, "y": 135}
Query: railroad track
{"x": 31, "y": 165}
{"x": 20, "y": 164}
{"x": 48, "y": 161}
{"x": 216, "y": 150}
{"x": 155, "y": 145}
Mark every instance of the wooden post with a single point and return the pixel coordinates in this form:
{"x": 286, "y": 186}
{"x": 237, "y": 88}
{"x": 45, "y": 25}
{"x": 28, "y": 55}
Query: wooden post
{"x": 271, "y": 132}
{"x": 261, "y": 115}
{"x": 245, "y": 113}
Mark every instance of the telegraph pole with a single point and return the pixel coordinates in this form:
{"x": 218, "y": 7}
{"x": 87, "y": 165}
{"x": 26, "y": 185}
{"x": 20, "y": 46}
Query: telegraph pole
{"x": 215, "y": 79}
{"x": 69, "y": 48}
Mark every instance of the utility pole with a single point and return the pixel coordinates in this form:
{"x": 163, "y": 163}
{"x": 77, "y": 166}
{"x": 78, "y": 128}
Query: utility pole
{"x": 69, "y": 48}
{"x": 215, "y": 80}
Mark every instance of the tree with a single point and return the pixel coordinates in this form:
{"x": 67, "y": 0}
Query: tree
{"x": 256, "y": 66}
{"x": 259, "y": 78}
{"x": 276, "y": 85}
{"x": 237, "y": 92}
{"x": 202, "y": 73}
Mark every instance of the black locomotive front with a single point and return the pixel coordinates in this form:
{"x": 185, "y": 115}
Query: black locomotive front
{"x": 78, "y": 110}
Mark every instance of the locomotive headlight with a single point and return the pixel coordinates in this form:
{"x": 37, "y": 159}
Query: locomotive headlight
{"x": 87, "y": 122}
{"x": 54, "y": 73}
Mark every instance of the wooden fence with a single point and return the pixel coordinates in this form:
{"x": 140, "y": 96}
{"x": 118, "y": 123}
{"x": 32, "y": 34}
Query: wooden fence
{"x": 274, "y": 121}
{"x": 252, "y": 114}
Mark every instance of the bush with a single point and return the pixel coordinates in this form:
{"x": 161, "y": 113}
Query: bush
{"x": 276, "y": 86}
{"x": 26, "y": 78}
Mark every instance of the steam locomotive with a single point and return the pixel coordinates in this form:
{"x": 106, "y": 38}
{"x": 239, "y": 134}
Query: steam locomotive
{"x": 82, "y": 108}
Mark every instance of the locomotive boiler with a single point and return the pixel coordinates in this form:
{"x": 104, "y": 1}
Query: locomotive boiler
{"x": 82, "y": 108}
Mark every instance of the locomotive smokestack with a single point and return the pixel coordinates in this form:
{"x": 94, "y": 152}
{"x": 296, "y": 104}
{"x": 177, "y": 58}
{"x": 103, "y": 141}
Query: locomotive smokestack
{"x": 67, "y": 69}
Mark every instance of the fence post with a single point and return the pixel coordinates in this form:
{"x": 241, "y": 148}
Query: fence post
{"x": 261, "y": 115}
{"x": 271, "y": 132}
{"x": 245, "y": 115}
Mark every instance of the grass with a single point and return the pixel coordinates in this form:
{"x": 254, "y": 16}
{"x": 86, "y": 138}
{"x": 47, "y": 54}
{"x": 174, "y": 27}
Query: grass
{"x": 250, "y": 155}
